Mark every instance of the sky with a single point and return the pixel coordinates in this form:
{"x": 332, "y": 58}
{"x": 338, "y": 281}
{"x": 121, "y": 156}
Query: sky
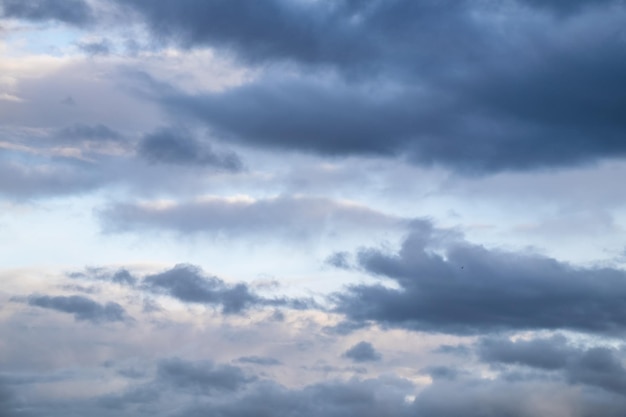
{"x": 312, "y": 208}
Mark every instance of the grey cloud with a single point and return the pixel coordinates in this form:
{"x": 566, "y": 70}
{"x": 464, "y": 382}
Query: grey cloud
{"x": 346, "y": 327}
{"x": 496, "y": 398}
{"x": 363, "y": 352}
{"x": 567, "y": 8}
{"x": 146, "y": 395}
{"x": 441, "y": 372}
{"x": 309, "y": 32}
{"x": 77, "y": 12}
{"x": 189, "y": 284}
{"x": 344, "y": 33}
{"x": 339, "y": 260}
{"x": 28, "y": 378}
{"x": 285, "y": 216}
{"x": 87, "y": 132}
{"x": 366, "y": 398}
{"x": 481, "y": 98}
{"x": 9, "y": 404}
{"x": 120, "y": 276}
{"x": 101, "y": 47}
{"x": 259, "y": 360}
{"x": 449, "y": 285}
{"x": 45, "y": 179}
{"x": 82, "y": 308}
{"x": 201, "y": 377}
{"x": 597, "y": 366}
{"x": 458, "y": 350}
{"x": 549, "y": 353}
{"x": 176, "y": 146}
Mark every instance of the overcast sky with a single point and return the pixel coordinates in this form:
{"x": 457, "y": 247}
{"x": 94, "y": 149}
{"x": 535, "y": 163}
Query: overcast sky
{"x": 333, "y": 208}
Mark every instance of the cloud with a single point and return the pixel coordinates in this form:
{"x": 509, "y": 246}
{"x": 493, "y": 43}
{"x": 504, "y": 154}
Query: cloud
{"x": 339, "y": 260}
{"x": 45, "y": 178}
{"x": 120, "y": 276}
{"x": 485, "y": 398}
{"x": 366, "y": 398}
{"x": 550, "y": 353}
{"x": 82, "y": 308}
{"x": 448, "y": 285}
{"x": 81, "y": 132}
{"x": 259, "y": 360}
{"x": 175, "y": 146}
{"x": 278, "y": 216}
{"x": 596, "y": 366}
{"x": 76, "y": 12}
{"x": 441, "y": 372}
{"x": 200, "y": 377}
{"x": 189, "y": 284}
{"x": 469, "y": 99}
{"x": 101, "y": 47}
{"x": 363, "y": 352}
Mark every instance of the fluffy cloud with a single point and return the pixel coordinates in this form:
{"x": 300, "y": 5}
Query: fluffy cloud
{"x": 446, "y": 284}
{"x": 363, "y": 352}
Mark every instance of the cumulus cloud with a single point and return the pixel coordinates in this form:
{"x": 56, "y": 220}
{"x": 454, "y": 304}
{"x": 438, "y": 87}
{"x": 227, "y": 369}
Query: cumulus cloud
{"x": 362, "y": 352}
{"x": 446, "y": 284}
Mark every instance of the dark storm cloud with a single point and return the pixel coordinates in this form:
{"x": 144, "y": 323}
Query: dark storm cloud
{"x": 176, "y": 146}
{"x": 449, "y": 285}
{"x": 189, "y": 284}
{"x": 363, "y": 352}
{"x": 597, "y": 366}
{"x": 76, "y": 12}
{"x": 274, "y": 29}
{"x": 345, "y": 33}
{"x": 475, "y": 87}
{"x": 201, "y": 377}
{"x": 82, "y": 308}
{"x": 279, "y": 216}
